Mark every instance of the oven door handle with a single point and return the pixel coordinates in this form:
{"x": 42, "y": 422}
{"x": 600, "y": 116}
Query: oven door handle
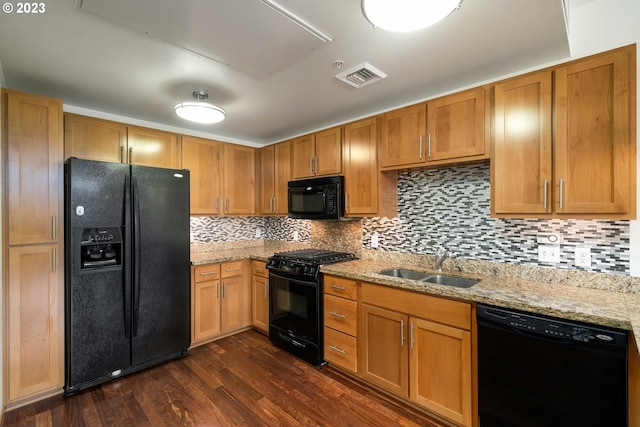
{"x": 301, "y": 281}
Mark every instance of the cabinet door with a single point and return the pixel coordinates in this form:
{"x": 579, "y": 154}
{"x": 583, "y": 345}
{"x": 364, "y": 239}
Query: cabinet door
{"x": 35, "y": 355}
{"x": 361, "y": 167}
{"x": 239, "y": 180}
{"x": 150, "y": 147}
{"x": 206, "y": 309}
{"x": 282, "y": 177}
{"x": 203, "y": 158}
{"x": 594, "y": 152}
{"x": 34, "y": 168}
{"x": 403, "y": 133}
{"x": 260, "y": 303}
{"x": 457, "y": 127}
{"x": 267, "y": 180}
{"x": 303, "y": 153}
{"x": 94, "y": 139}
{"x": 232, "y": 304}
{"x": 328, "y": 157}
{"x": 440, "y": 369}
{"x": 521, "y": 165}
{"x": 385, "y": 349}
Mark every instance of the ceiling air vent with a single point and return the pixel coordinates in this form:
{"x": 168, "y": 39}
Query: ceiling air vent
{"x": 361, "y": 75}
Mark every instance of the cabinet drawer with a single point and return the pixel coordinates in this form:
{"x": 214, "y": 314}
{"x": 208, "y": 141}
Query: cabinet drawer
{"x": 259, "y": 268}
{"x": 340, "y": 349}
{"x": 339, "y": 286}
{"x": 341, "y": 314}
{"x": 231, "y": 269}
{"x": 207, "y": 272}
{"x": 441, "y": 310}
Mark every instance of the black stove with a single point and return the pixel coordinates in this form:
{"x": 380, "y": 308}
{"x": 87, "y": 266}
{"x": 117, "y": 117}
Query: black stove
{"x": 295, "y": 300}
{"x": 306, "y": 262}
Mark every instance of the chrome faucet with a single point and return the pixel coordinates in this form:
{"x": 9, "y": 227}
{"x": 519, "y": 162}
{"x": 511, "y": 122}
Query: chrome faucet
{"x": 442, "y": 254}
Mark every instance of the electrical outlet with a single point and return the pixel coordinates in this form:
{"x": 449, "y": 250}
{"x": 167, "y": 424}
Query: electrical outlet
{"x": 583, "y": 256}
{"x": 375, "y": 237}
{"x": 258, "y": 233}
{"x": 549, "y": 253}
{"x": 296, "y": 235}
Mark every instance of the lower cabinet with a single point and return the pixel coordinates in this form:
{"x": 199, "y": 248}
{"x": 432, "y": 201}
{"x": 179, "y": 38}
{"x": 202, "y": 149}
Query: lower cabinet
{"x": 419, "y": 347}
{"x": 341, "y": 322}
{"x": 220, "y": 300}
{"x": 260, "y": 296}
{"x": 35, "y": 322}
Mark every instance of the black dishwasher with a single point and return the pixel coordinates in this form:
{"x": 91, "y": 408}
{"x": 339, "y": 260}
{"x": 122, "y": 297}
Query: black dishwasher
{"x": 539, "y": 371}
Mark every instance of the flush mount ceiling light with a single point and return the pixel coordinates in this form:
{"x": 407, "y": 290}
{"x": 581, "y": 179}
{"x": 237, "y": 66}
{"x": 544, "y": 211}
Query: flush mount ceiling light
{"x": 407, "y": 15}
{"x": 200, "y": 112}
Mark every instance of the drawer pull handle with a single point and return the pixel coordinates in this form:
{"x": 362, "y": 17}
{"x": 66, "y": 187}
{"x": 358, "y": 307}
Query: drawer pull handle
{"x": 341, "y": 316}
{"x": 208, "y": 273}
{"x": 233, "y": 269}
{"x": 339, "y": 288}
{"x": 339, "y": 350}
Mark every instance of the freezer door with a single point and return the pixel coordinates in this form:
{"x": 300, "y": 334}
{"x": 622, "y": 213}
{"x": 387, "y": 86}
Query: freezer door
{"x": 96, "y": 341}
{"x": 161, "y": 272}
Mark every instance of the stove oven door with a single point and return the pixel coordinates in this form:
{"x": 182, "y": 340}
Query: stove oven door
{"x": 294, "y": 316}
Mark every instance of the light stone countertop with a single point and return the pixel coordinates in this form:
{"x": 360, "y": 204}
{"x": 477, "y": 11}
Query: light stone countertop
{"x": 602, "y": 303}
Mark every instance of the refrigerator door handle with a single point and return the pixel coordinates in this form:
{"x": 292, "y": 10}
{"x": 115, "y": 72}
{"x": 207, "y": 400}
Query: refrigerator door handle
{"x": 127, "y": 259}
{"x": 136, "y": 258}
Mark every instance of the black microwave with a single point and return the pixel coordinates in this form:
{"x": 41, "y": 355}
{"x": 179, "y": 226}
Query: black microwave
{"x": 317, "y": 198}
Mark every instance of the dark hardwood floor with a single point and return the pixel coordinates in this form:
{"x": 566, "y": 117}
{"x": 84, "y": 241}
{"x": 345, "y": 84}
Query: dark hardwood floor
{"x": 238, "y": 381}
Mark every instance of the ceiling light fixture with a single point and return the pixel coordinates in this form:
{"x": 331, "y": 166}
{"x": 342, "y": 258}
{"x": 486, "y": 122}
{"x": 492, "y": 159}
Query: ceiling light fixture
{"x": 407, "y": 15}
{"x": 200, "y": 112}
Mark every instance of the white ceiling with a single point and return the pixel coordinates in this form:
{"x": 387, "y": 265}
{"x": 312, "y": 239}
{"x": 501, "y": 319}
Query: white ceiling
{"x": 275, "y": 80}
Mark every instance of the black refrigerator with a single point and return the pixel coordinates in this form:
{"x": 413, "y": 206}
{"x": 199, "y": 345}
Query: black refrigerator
{"x": 127, "y": 278}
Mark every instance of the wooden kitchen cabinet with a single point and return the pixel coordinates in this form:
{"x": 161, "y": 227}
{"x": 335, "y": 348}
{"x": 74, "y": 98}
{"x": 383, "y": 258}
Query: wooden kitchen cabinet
{"x": 94, "y": 139}
{"x": 570, "y": 153}
{"x": 451, "y": 129}
{"x": 341, "y": 322}
{"x": 458, "y": 127}
{"x": 151, "y": 147}
{"x": 419, "y": 347}
{"x": 203, "y": 159}
{"x": 239, "y": 182}
{"x": 34, "y": 254}
{"x": 205, "y": 302}
{"x": 403, "y": 137}
{"x": 368, "y": 192}
{"x": 260, "y": 296}
{"x": 220, "y": 301}
{"x": 275, "y": 173}
{"x": 317, "y": 154}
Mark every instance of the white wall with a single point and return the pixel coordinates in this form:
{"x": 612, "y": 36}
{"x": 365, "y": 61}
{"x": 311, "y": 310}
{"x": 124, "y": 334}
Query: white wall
{"x": 600, "y": 25}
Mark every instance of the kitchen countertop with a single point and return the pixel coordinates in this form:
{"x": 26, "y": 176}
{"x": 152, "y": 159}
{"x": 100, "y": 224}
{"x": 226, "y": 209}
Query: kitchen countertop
{"x": 587, "y": 304}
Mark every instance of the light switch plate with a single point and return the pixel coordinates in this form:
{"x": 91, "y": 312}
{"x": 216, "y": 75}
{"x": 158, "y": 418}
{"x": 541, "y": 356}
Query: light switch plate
{"x": 375, "y": 237}
{"x": 549, "y": 253}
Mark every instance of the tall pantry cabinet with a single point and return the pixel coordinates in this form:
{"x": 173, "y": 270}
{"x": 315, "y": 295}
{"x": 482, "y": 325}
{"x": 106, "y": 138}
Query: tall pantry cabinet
{"x": 33, "y": 216}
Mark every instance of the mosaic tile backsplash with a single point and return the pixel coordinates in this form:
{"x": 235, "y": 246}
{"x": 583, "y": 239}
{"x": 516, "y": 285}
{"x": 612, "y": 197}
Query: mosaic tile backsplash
{"x": 442, "y": 207}
{"x": 451, "y": 207}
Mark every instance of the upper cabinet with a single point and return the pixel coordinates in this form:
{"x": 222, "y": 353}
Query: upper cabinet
{"x": 317, "y": 154}
{"x": 368, "y": 192}
{"x": 275, "y": 173}
{"x": 451, "y": 129}
{"x": 150, "y": 147}
{"x": 239, "y": 182}
{"x": 96, "y": 139}
{"x": 458, "y": 127}
{"x": 571, "y": 154}
{"x": 34, "y": 168}
{"x": 203, "y": 158}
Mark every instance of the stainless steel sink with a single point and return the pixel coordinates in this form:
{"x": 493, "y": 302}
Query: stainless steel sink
{"x": 404, "y": 273}
{"x": 458, "y": 282}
